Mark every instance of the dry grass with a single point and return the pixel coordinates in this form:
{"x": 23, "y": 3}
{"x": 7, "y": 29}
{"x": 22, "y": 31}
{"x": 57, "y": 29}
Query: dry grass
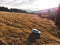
{"x": 15, "y": 29}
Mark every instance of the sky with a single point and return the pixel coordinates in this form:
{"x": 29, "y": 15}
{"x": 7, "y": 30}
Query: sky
{"x": 29, "y": 4}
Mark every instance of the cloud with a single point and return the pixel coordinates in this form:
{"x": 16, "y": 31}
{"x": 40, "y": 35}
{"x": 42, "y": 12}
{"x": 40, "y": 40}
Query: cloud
{"x": 21, "y": 3}
{"x": 15, "y": 3}
{"x": 29, "y": 4}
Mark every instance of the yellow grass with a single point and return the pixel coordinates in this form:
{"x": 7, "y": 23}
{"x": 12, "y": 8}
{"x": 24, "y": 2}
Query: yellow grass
{"x": 15, "y": 29}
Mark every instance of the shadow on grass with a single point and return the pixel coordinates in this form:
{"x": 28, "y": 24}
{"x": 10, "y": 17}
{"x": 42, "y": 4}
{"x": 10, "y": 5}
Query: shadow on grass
{"x": 33, "y": 39}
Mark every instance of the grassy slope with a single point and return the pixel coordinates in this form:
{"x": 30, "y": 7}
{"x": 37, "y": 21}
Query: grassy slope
{"x": 15, "y": 29}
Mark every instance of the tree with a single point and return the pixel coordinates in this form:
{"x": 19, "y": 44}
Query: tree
{"x": 12, "y": 10}
{"x": 4, "y": 9}
{"x": 57, "y": 23}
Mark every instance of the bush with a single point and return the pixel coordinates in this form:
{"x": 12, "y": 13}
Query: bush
{"x": 57, "y": 23}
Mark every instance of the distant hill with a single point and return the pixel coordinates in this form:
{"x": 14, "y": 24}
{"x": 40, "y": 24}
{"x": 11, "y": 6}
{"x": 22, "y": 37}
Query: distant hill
{"x": 51, "y": 13}
{"x": 46, "y": 11}
{"x": 15, "y": 29}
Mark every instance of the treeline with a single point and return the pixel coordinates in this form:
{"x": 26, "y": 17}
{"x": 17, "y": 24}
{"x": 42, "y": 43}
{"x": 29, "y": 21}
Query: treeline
{"x": 12, "y": 10}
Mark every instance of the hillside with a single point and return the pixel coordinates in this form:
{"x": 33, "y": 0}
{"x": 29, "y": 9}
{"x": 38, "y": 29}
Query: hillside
{"x": 15, "y": 29}
{"x": 47, "y": 11}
